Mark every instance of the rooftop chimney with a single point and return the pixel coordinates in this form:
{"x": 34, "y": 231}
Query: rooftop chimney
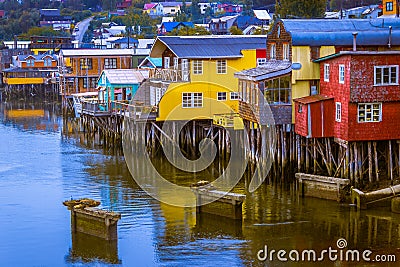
{"x": 355, "y": 41}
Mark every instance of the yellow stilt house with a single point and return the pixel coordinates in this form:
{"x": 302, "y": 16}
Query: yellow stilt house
{"x": 197, "y": 78}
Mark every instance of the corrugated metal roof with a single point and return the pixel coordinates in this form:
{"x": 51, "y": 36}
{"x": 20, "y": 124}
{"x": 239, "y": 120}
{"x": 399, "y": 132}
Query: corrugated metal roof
{"x": 224, "y": 46}
{"x": 262, "y": 14}
{"x": 272, "y": 68}
{"x": 98, "y": 52}
{"x": 125, "y": 76}
{"x": 311, "y": 99}
{"x": 317, "y": 32}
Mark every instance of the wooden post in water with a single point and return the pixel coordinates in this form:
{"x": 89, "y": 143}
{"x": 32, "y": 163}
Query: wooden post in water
{"x": 376, "y": 161}
{"x": 307, "y": 155}
{"x": 356, "y": 163}
{"x": 298, "y": 153}
{"x": 351, "y": 162}
{"x": 390, "y": 162}
{"x": 370, "y": 162}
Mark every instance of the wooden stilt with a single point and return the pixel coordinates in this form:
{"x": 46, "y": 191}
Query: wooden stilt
{"x": 376, "y": 161}
{"x": 307, "y": 156}
{"x": 390, "y": 158}
{"x": 370, "y": 178}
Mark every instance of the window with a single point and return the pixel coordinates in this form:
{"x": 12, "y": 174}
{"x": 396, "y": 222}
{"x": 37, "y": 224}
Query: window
{"x": 221, "y": 96}
{"x": 192, "y": 100}
{"x": 389, "y": 6}
{"x": 326, "y": 72}
{"x": 338, "y": 116}
{"x": 197, "y": 67}
{"x": 369, "y": 112}
{"x": 386, "y": 75}
{"x": 176, "y": 63}
{"x": 47, "y": 62}
{"x": 272, "y": 51}
{"x": 300, "y": 110}
{"x": 221, "y": 66}
{"x": 85, "y": 63}
{"x": 166, "y": 63}
{"x": 85, "y": 83}
{"x": 341, "y": 73}
{"x": 261, "y": 61}
{"x": 286, "y": 52}
{"x": 234, "y": 96}
{"x": 30, "y": 63}
{"x": 110, "y": 63}
{"x": 277, "y": 91}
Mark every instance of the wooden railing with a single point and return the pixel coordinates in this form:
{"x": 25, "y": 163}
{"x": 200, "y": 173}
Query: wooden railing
{"x": 123, "y": 108}
{"x": 172, "y": 75}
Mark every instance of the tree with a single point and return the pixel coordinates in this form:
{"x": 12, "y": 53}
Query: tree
{"x": 195, "y": 11}
{"x": 184, "y": 31}
{"x": 235, "y": 30}
{"x": 300, "y": 8}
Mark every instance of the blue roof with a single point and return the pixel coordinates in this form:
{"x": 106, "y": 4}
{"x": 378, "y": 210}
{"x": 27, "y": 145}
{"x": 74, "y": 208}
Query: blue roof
{"x": 317, "y": 32}
{"x": 222, "y": 46}
{"x": 125, "y": 41}
{"x": 156, "y": 61}
{"x": 169, "y": 26}
{"x": 36, "y": 57}
{"x": 244, "y": 21}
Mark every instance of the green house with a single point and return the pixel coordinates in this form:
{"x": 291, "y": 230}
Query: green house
{"x": 118, "y": 86}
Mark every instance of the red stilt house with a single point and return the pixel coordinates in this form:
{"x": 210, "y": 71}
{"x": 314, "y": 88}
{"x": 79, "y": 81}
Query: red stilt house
{"x": 359, "y": 98}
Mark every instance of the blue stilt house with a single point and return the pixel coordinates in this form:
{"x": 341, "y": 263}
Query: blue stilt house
{"x": 118, "y": 86}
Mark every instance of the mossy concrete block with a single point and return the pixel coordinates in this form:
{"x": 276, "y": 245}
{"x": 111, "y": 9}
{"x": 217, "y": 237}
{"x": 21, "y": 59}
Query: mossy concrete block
{"x": 396, "y": 204}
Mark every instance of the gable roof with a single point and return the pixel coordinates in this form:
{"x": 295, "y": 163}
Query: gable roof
{"x": 169, "y": 26}
{"x": 125, "y": 76}
{"x": 210, "y": 46}
{"x": 35, "y": 57}
{"x": 317, "y": 32}
{"x": 271, "y": 69}
{"x": 154, "y": 62}
{"x": 124, "y": 40}
{"x": 150, "y": 6}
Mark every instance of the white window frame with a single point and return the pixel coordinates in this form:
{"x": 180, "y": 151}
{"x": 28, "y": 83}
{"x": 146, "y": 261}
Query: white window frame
{"x": 234, "y": 96}
{"x": 338, "y": 116}
{"x": 341, "y": 73}
{"x": 272, "y": 51}
{"x": 286, "y": 53}
{"x": 261, "y": 61}
{"x": 47, "y": 62}
{"x": 30, "y": 62}
{"x": 222, "y": 96}
{"x": 192, "y": 100}
{"x": 380, "y": 71}
{"x": 326, "y": 72}
{"x": 221, "y": 66}
{"x": 176, "y": 63}
{"x": 197, "y": 67}
{"x": 389, "y": 6}
{"x": 110, "y": 63}
{"x": 371, "y": 110}
{"x": 167, "y": 62}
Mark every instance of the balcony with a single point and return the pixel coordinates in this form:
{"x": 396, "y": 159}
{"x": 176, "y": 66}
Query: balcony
{"x": 170, "y": 75}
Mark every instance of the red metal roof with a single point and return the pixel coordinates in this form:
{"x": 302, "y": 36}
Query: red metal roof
{"x": 311, "y": 99}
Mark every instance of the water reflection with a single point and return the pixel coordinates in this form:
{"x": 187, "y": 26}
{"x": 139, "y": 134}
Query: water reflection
{"x": 41, "y": 167}
{"x": 87, "y": 248}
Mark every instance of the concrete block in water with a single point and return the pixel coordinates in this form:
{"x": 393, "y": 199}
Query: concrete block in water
{"x": 395, "y": 205}
{"x": 321, "y": 186}
{"x": 219, "y": 203}
{"x": 92, "y": 221}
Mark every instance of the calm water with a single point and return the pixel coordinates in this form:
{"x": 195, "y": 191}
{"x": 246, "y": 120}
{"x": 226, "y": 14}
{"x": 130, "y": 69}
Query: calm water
{"x": 42, "y": 163}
